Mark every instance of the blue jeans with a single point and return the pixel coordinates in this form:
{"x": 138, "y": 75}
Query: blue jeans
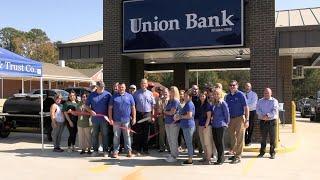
{"x": 188, "y": 135}
{"x": 99, "y": 126}
{"x": 116, "y": 136}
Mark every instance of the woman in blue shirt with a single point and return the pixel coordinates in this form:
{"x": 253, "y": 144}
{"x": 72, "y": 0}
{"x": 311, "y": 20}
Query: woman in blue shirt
{"x": 186, "y": 117}
{"x": 205, "y": 130}
{"x": 172, "y": 128}
{"x": 221, "y": 119}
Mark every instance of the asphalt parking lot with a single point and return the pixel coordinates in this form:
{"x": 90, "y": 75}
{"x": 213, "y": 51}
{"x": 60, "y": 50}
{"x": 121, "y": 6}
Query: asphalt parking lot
{"x": 21, "y": 158}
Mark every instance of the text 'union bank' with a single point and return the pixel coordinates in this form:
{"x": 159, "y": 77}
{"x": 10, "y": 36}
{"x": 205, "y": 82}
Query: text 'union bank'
{"x": 192, "y": 21}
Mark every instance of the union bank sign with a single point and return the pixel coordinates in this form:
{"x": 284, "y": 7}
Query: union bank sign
{"x": 161, "y": 25}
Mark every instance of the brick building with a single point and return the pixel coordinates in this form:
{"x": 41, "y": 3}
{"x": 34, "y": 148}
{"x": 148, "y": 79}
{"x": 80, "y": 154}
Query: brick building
{"x": 274, "y": 44}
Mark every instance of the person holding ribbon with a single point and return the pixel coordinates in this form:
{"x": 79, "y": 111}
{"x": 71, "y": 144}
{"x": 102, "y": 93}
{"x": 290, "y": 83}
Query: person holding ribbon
{"x": 121, "y": 107}
{"x": 97, "y": 106}
{"x": 186, "y": 117}
{"x": 84, "y": 128}
{"x": 145, "y": 103}
{"x": 72, "y": 119}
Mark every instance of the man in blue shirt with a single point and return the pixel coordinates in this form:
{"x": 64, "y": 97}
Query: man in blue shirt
{"x": 267, "y": 110}
{"x": 145, "y": 109}
{"x": 97, "y": 103}
{"x": 252, "y": 99}
{"x": 121, "y": 107}
{"x": 239, "y": 114}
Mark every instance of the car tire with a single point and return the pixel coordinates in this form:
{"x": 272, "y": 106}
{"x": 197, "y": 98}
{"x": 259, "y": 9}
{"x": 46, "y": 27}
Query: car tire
{"x": 312, "y": 118}
{"x": 4, "y": 133}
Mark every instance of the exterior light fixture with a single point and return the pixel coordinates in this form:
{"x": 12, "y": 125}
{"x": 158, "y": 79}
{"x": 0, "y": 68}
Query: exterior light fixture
{"x": 152, "y": 62}
{"x": 239, "y": 57}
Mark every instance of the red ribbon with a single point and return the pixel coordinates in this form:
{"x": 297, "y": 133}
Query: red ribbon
{"x": 77, "y": 113}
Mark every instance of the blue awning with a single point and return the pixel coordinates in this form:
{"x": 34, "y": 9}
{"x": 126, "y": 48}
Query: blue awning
{"x": 14, "y": 65}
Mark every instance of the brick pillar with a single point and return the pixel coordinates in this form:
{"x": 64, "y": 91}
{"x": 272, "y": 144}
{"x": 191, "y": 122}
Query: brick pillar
{"x": 284, "y": 77}
{"x": 261, "y": 39}
{"x": 115, "y": 67}
{"x": 181, "y": 76}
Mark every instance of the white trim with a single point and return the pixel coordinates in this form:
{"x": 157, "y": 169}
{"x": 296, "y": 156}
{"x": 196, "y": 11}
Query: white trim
{"x": 181, "y": 48}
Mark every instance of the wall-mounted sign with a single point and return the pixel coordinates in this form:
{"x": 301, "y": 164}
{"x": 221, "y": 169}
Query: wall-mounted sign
{"x": 161, "y": 25}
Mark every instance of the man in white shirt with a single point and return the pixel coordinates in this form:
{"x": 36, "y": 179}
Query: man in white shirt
{"x": 252, "y": 99}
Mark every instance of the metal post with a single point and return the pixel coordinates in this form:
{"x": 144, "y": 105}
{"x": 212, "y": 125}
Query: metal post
{"x": 22, "y": 86}
{"x": 277, "y": 135}
{"x": 2, "y": 88}
{"x": 293, "y": 111}
{"x": 41, "y": 114}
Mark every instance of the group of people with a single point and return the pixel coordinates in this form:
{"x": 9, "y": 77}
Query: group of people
{"x": 196, "y": 119}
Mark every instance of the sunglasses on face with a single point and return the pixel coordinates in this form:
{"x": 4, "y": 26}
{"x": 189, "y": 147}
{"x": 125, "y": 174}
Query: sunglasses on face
{"x": 232, "y": 85}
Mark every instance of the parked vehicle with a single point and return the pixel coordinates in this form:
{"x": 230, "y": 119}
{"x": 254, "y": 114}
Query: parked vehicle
{"x": 315, "y": 113}
{"x": 52, "y": 92}
{"x": 306, "y": 105}
{"x": 23, "y": 110}
{"x": 78, "y": 91}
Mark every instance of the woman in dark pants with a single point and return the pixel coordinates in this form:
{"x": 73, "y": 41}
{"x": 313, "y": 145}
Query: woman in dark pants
{"x": 221, "y": 119}
{"x": 72, "y": 119}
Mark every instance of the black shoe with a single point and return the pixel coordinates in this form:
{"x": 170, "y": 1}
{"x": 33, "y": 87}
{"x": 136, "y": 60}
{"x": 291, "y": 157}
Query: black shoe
{"x": 272, "y": 156}
{"x": 161, "y": 150}
{"x": 217, "y": 163}
{"x": 235, "y": 161}
{"x": 186, "y": 163}
{"x": 82, "y": 152}
{"x": 260, "y": 155}
{"x": 232, "y": 158}
{"x": 146, "y": 153}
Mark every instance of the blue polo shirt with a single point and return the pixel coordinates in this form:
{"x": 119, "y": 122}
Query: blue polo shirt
{"x": 121, "y": 107}
{"x": 144, "y": 100}
{"x": 204, "y": 108}
{"x": 187, "y": 123}
{"x": 221, "y": 116}
{"x": 171, "y": 104}
{"x": 236, "y": 102}
{"x": 99, "y": 104}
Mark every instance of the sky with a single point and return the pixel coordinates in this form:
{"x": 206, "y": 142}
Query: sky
{"x": 64, "y": 20}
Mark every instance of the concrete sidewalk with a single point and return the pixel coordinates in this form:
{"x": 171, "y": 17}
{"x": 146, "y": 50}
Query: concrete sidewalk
{"x": 21, "y": 158}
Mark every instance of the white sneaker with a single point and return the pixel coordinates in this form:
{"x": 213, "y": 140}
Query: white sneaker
{"x": 105, "y": 154}
{"x": 171, "y": 159}
{"x": 94, "y": 154}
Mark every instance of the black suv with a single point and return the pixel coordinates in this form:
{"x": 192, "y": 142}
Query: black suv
{"x": 78, "y": 91}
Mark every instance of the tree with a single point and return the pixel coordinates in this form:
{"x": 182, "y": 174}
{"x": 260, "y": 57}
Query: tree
{"x": 308, "y": 86}
{"x": 6, "y": 37}
{"x": 34, "y": 44}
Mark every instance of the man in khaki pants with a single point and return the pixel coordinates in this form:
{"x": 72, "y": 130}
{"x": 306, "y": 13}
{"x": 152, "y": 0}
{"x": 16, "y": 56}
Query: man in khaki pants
{"x": 239, "y": 114}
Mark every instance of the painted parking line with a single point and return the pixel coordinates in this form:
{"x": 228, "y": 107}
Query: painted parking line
{"x": 135, "y": 175}
{"x": 100, "y": 168}
{"x": 281, "y": 150}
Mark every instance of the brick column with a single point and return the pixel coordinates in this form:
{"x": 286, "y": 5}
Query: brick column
{"x": 261, "y": 39}
{"x": 180, "y": 76}
{"x": 284, "y": 77}
{"x": 115, "y": 67}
